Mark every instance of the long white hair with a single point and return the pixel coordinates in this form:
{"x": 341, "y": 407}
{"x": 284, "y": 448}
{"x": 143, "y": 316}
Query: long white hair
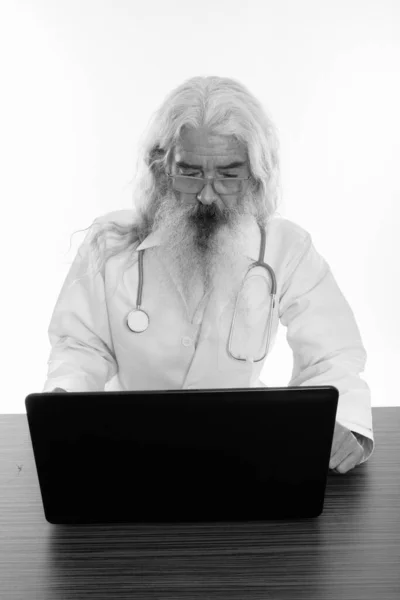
{"x": 223, "y": 106}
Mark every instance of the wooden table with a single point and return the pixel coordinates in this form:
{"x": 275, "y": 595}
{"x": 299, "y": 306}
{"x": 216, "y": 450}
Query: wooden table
{"x": 351, "y": 551}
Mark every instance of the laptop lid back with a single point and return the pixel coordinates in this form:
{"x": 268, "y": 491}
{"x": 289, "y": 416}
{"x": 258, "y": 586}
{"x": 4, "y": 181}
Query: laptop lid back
{"x": 182, "y": 455}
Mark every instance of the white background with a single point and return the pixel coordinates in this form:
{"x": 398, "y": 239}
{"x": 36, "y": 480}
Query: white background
{"x": 80, "y": 79}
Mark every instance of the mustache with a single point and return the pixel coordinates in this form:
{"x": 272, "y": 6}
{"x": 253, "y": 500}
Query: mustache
{"x": 209, "y": 217}
{"x": 206, "y": 213}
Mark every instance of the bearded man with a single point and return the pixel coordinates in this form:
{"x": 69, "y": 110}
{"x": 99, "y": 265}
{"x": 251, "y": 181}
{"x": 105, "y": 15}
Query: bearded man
{"x": 172, "y": 303}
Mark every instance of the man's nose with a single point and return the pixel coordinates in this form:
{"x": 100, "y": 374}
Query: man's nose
{"x": 207, "y": 194}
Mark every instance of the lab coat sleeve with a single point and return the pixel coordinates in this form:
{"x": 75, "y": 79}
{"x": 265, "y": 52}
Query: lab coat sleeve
{"x": 82, "y": 356}
{"x": 325, "y": 339}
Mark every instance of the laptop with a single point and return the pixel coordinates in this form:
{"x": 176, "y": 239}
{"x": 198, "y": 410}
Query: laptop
{"x": 203, "y": 455}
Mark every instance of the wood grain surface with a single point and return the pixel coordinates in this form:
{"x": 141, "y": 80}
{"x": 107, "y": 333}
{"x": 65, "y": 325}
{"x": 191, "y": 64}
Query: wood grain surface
{"x": 351, "y": 551}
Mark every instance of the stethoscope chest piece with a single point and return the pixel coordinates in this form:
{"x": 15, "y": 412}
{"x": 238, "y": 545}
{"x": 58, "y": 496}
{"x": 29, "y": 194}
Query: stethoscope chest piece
{"x": 138, "y": 320}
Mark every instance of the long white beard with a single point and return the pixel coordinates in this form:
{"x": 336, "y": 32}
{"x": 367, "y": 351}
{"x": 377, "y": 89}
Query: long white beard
{"x": 203, "y": 255}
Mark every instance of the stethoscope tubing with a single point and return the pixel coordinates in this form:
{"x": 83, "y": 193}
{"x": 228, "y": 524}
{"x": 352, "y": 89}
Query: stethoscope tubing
{"x": 259, "y": 263}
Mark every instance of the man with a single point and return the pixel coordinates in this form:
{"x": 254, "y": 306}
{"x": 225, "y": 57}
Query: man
{"x": 200, "y": 236}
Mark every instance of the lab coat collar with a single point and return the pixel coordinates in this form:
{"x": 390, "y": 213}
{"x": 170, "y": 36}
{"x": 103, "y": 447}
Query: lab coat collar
{"x": 249, "y": 229}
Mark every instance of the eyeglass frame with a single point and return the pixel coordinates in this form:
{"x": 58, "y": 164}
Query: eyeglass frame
{"x": 212, "y": 179}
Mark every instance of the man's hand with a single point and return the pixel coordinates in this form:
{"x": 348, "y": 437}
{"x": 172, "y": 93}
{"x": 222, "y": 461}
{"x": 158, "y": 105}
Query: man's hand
{"x": 346, "y": 452}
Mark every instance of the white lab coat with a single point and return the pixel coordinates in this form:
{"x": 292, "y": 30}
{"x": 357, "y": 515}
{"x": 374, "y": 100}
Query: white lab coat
{"x": 93, "y": 349}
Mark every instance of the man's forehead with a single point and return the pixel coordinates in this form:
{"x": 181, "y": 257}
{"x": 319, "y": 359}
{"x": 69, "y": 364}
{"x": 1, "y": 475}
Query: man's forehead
{"x": 203, "y": 142}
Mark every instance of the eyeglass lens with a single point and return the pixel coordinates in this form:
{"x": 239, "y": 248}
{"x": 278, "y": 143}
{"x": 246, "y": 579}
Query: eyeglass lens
{"x": 194, "y": 185}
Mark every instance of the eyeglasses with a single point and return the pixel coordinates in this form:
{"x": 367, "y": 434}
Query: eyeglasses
{"x": 193, "y": 185}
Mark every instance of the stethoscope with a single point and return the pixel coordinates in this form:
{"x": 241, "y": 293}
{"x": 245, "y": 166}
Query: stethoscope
{"x": 138, "y": 320}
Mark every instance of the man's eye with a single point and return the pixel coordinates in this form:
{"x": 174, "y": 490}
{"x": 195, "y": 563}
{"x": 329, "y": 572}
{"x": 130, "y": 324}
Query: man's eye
{"x": 186, "y": 173}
